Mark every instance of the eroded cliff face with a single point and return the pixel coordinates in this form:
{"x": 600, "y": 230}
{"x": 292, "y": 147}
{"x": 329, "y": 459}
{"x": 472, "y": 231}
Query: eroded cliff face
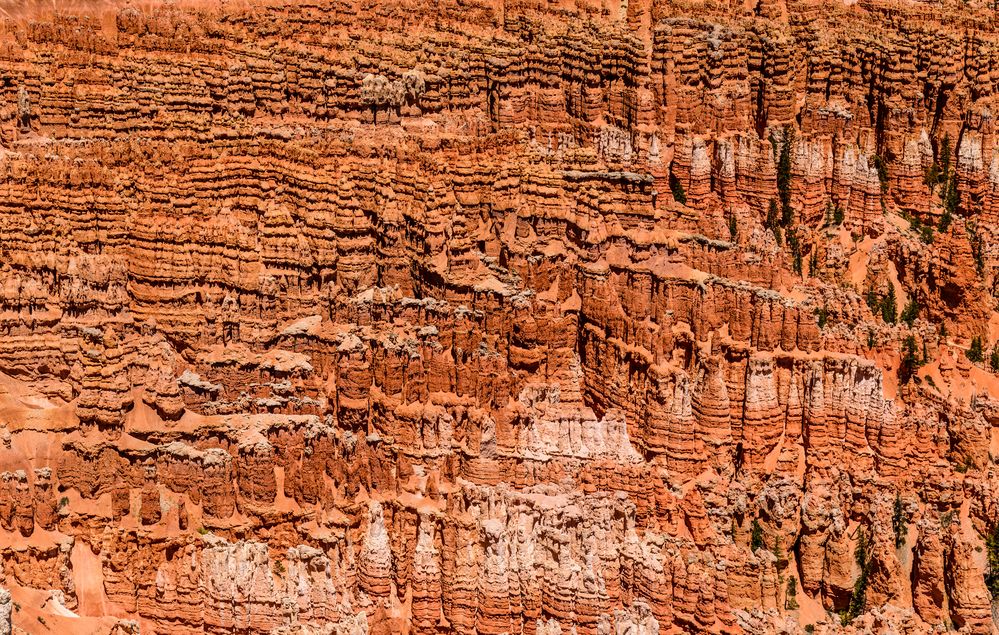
{"x": 498, "y": 317}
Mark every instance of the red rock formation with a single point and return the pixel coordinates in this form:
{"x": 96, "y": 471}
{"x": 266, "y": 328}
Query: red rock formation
{"x": 498, "y": 317}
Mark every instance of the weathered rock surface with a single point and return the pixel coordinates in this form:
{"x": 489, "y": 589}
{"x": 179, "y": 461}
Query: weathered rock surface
{"x": 498, "y": 317}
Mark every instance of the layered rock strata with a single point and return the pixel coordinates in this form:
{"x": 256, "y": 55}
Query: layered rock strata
{"x": 498, "y": 317}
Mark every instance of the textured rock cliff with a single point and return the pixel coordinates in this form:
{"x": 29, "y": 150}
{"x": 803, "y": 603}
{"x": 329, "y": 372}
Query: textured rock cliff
{"x": 490, "y": 317}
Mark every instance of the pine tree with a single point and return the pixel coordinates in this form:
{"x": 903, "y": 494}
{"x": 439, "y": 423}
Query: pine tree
{"x": 952, "y": 197}
{"x": 792, "y": 242}
{"x": 910, "y": 312}
{"x": 784, "y": 177}
{"x": 772, "y": 223}
{"x": 882, "y": 168}
{"x": 976, "y": 352}
{"x": 676, "y": 187}
{"x": 756, "y": 536}
{"x": 977, "y": 247}
{"x": 910, "y": 363}
{"x": 858, "y": 601}
{"x": 772, "y": 212}
{"x": 873, "y": 301}
{"x": 994, "y": 358}
{"x": 945, "y": 220}
{"x": 791, "y": 603}
{"x": 889, "y": 306}
{"x": 944, "y": 171}
{"x": 992, "y": 573}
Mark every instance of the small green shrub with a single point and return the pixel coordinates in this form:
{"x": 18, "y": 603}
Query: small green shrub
{"x": 946, "y": 519}
{"x": 967, "y": 463}
{"x": 823, "y": 316}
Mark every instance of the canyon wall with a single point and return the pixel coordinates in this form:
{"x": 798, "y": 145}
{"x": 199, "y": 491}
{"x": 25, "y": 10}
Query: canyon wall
{"x": 486, "y": 317}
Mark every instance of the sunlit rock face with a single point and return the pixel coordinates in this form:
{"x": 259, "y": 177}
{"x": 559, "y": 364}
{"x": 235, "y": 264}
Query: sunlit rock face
{"x": 498, "y": 317}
